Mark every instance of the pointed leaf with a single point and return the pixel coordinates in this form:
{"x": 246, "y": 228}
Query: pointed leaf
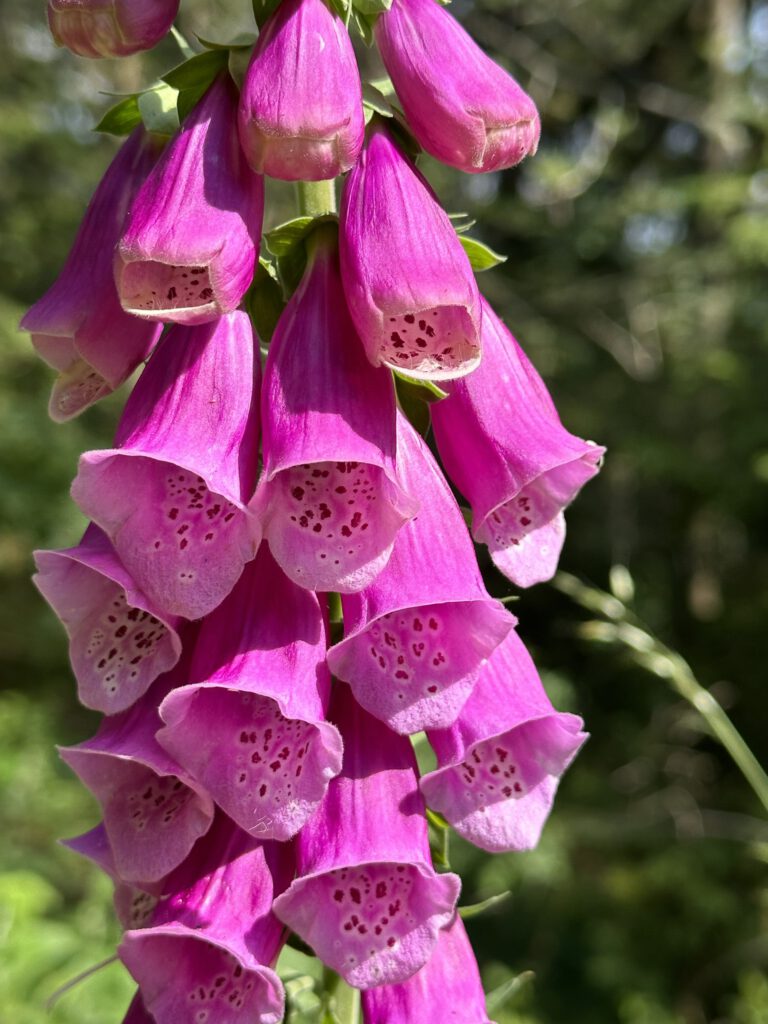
{"x": 474, "y": 909}
{"x": 481, "y": 256}
{"x": 122, "y": 118}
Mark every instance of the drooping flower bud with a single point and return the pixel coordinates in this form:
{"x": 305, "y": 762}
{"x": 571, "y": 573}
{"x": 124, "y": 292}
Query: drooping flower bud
{"x": 188, "y": 250}
{"x": 504, "y": 447}
{"x": 447, "y": 990}
{"x": 366, "y": 897}
{"x": 462, "y": 107}
{"x": 207, "y": 955}
{"x": 110, "y": 28}
{"x": 153, "y": 811}
{"x": 78, "y": 327}
{"x": 252, "y": 731}
{"x": 172, "y": 493}
{"x": 329, "y": 499}
{"x": 415, "y": 638}
{"x": 408, "y": 282}
{"x": 301, "y": 109}
{"x": 500, "y": 762}
{"x": 119, "y": 642}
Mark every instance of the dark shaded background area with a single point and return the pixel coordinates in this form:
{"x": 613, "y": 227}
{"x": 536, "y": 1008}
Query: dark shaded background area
{"x": 637, "y": 280}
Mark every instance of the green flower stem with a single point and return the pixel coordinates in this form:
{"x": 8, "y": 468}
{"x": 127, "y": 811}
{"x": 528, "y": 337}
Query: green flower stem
{"x": 316, "y": 198}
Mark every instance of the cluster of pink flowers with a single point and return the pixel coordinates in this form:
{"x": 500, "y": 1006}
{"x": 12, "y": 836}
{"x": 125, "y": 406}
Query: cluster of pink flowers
{"x": 244, "y": 791}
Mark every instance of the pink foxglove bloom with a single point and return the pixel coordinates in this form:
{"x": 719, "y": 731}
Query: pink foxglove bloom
{"x": 409, "y": 284}
{"x": 301, "y": 107}
{"x": 119, "y": 642}
{"x": 252, "y": 731}
{"x": 110, "y": 28}
{"x": 447, "y": 990}
{"x": 504, "y": 447}
{"x": 207, "y": 955}
{"x": 137, "y": 1012}
{"x": 499, "y": 764}
{"x": 462, "y": 107}
{"x": 153, "y": 811}
{"x": 78, "y": 327}
{"x": 415, "y": 638}
{"x": 189, "y": 246}
{"x": 172, "y": 493}
{"x": 329, "y": 498}
{"x": 366, "y": 898}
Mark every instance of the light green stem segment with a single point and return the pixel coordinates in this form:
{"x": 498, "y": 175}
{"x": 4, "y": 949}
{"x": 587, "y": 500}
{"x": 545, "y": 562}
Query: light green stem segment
{"x": 316, "y": 198}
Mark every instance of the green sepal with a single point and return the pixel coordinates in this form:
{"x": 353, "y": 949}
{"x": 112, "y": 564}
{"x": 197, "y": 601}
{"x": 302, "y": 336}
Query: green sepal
{"x": 415, "y": 398}
{"x": 262, "y": 9}
{"x": 264, "y": 300}
{"x": 159, "y": 109}
{"x": 122, "y": 118}
{"x": 294, "y": 964}
{"x": 193, "y": 78}
{"x": 343, "y": 8}
{"x": 475, "y": 909}
{"x": 242, "y": 41}
{"x": 481, "y": 256}
{"x": 375, "y": 102}
{"x": 500, "y": 996}
{"x": 429, "y": 392}
{"x": 364, "y": 24}
{"x": 462, "y": 222}
{"x": 287, "y": 243}
{"x": 370, "y": 8}
{"x": 440, "y": 838}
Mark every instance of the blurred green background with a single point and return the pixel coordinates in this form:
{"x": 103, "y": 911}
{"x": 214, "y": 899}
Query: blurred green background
{"x": 637, "y": 280}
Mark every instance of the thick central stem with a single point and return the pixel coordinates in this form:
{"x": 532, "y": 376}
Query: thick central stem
{"x": 316, "y": 197}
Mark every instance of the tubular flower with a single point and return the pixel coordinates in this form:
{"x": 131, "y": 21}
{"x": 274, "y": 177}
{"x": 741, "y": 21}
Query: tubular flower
{"x": 190, "y": 241}
{"x": 172, "y": 493}
{"x": 409, "y": 283}
{"x": 253, "y": 733}
{"x": 503, "y": 445}
{"x": 447, "y": 988}
{"x": 415, "y": 638}
{"x": 153, "y": 811}
{"x": 78, "y": 327}
{"x": 329, "y": 498}
{"x": 301, "y": 108}
{"x": 208, "y": 951}
{"x": 119, "y": 642}
{"x": 110, "y": 28}
{"x": 462, "y": 107}
{"x": 499, "y": 764}
{"x": 366, "y": 897}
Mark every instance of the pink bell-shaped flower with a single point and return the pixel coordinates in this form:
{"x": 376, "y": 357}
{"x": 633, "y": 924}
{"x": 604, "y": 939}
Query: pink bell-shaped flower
{"x": 462, "y": 107}
{"x": 500, "y": 762}
{"x": 78, "y": 327}
{"x": 110, "y": 28}
{"x": 301, "y": 108}
{"x": 366, "y": 897}
{"x": 409, "y": 284}
{"x": 329, "y": 498}
{"x": 188, "y": 250}
{"x": 504, "y": 447}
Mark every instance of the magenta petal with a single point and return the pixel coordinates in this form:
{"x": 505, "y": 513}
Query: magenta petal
{"x": 188, "y": 250}
{"x": 137, "y": 1012}
{"x": 253, "y": 733}
{"x": 409, "y": 284}
{"x": 78, "y": 326}
{"x": 415, "y": 638}
{"x": 119, "y": 641}
{"x": 462, "y": 107}
{"x": 206, "y": 957}
{"x": 110, "y": 28}
{"x": 301, "y": 106}
{"x": 153, "y": 811}
{"x": 329, "y": 498}
{"x": 499, "y": 764}
{"x": 366, "y": 897}
{"x": 503, "y": 445}
{"x": 172, "y": 494}
{"x": 447, "y": 989}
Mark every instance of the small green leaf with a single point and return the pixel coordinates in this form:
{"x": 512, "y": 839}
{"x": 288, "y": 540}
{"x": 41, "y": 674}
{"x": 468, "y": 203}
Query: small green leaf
{"x": 364, "y": 24}
{"x": 474, "y": 909}
{"x": 122, "y": 118}
{"x": 264, "y": 301}
{"x": 481, "y": 256}
{"x": 242, "y": 41}
{"x": 436, "y": 820}
{"x": 375, "y": 102}
{"x": 500, "y": 996}
{"x": 342, "y": 8}
{"x": 293, "y": 964}
{"x": 198, "y": 72}
{"x": 280, "y": 240}
{"x": 158, "y": 109}
{"x": 372, "y": 7}
{"x": 287, "y": 244}
{"x": 262, "y": 10}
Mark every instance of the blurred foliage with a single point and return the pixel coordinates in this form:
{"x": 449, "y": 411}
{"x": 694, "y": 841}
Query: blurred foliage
{"x": 638, "y": 252}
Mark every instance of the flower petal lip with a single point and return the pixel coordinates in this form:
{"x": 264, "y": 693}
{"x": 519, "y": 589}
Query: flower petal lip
{"x": 188, "y": 250}
{"x": 462, "y": 107}
{"x": 503, "y": 446}
{"x": 329, "y": 499}
{"x": 110, "y": 28}
{"x": 408, "y": 282}
{"x": 301, "y": 110}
